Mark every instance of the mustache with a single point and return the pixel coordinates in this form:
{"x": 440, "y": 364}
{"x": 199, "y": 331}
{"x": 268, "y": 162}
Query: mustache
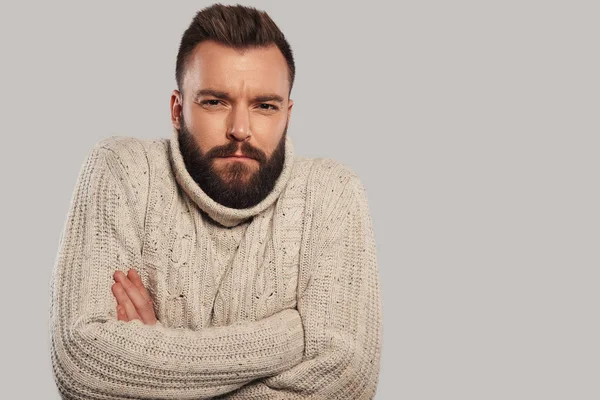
{"x": 229, "y": 150}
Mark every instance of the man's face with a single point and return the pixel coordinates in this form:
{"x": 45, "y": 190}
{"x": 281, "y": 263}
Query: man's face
{"x": 232, "y": 118}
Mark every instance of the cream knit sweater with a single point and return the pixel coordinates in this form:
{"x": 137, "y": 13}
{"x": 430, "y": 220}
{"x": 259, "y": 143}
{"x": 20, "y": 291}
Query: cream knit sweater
{"x": 278, "y": 301}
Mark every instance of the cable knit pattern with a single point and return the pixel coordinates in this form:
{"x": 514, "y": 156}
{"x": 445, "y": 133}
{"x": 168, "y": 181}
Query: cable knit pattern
{"x": 277, "y": 301}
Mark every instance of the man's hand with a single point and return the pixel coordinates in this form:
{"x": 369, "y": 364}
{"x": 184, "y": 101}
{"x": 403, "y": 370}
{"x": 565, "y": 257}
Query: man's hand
{"x": 133, "y": 300}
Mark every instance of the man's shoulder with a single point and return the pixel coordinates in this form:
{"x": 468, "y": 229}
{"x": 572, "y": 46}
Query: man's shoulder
{"x": 326, "y": 177}
{"x": 323, "y": 167}
{"x": 135, "y": 162}
{"x": 128, "y": 154}
{"x": 129, "y": 146}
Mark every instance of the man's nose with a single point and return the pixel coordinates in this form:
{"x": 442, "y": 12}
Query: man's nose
{"x": 239, "y": 124}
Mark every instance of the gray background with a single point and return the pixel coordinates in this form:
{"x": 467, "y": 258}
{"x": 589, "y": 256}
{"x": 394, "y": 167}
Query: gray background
{"x": 473, "y": 125}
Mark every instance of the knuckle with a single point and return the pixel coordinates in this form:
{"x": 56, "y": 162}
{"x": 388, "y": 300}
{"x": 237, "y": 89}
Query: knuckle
{"x": 126, "y": 302}
{"x": 147, "y": 306}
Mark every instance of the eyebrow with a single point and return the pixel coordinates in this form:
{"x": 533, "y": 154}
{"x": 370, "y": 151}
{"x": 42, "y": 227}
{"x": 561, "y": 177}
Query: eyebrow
{"x": 225, "y": 96}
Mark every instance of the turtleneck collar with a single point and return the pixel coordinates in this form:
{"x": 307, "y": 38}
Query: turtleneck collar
{"x": 226, "y": 216}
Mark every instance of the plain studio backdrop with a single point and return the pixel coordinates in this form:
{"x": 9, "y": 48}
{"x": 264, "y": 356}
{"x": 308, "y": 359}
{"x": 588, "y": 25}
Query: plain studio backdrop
{"x": 473, "y": 125}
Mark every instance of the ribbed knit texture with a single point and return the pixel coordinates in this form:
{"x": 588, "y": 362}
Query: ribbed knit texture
{"x": 278, "y": 301}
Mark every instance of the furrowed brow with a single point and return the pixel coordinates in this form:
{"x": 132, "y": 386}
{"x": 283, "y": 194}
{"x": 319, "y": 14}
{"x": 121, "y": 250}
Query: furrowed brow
{"x": 213, "y": 93}
{"x": 268, "y": 97}
{"x": 225, "y": 96}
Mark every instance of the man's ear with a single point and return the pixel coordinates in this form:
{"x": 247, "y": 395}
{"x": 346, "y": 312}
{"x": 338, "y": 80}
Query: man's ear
{"x": 176, "y": 109}
{"x": 289, "y": 110}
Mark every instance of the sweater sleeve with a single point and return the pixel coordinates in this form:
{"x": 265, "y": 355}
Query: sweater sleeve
{"x": 96, "y": 356}
{"x": 339, "y": 302}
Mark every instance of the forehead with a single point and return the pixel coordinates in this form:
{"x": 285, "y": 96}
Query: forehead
{"x": 216, "y": 66}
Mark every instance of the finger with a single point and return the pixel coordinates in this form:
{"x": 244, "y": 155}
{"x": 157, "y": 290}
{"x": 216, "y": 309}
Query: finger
{"x": 124, "y": 301}
{"x": 134, "y": 277}
{"x": 119, "y": 293}
{"x": 121, "y": 315}
{"x": 143, "y": 307}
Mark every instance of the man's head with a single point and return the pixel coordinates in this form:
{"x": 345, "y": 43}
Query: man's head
{"x": 234, "y": 74}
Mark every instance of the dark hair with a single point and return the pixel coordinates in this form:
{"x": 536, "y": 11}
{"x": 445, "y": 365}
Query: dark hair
{"x": 236, "y": 26}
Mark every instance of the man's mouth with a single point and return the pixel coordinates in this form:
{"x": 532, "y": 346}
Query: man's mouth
{"x": 240, "y": 156}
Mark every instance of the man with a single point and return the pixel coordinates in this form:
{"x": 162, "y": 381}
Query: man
{"x": 217, "y": 263}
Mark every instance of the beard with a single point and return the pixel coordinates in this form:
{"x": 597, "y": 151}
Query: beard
{"x": 236, "y": 186}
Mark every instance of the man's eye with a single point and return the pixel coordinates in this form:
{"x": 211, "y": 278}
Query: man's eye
{"x": 269, "y": 107}
{"x": 211, "y": 103}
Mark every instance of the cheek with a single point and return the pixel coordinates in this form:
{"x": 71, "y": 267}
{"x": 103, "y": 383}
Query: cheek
{"x": 267, "y": 132}
{"x": 208, "y": 129}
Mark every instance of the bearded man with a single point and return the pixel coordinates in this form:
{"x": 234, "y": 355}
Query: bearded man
{"x": 217, "y": 263}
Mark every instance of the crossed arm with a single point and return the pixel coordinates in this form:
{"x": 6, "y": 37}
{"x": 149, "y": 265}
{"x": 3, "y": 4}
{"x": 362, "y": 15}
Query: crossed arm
{"x": 97, "y": 355}
{"x": 101, "y": 349}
